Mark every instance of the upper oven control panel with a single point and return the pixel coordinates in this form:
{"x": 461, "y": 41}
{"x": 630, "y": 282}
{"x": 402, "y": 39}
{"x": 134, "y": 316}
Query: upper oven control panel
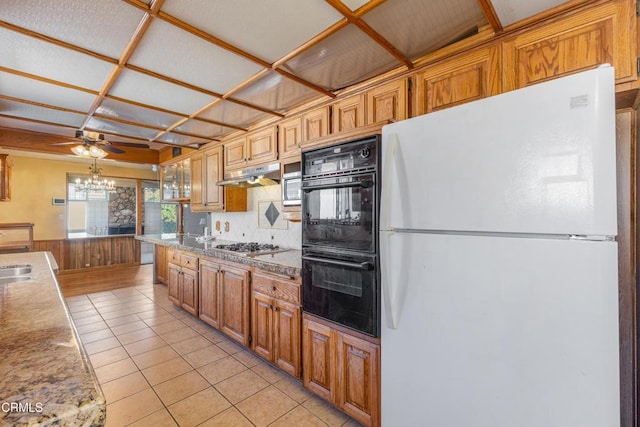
{"x": 349, "y": 157}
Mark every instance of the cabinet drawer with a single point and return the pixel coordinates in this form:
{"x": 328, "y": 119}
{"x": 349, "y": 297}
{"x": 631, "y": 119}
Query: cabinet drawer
{"x": 285, "y": 290}
{"x": 174, "y": 257}
{"x": 189, "y": 261}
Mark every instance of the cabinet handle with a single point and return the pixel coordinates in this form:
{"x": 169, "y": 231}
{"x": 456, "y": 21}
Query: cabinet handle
{"x": 274, "y": 308}
{"x": 273, "y": 288}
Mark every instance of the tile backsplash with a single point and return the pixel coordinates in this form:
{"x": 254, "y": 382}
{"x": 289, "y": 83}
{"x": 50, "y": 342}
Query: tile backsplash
{"x": 251, "y": 227}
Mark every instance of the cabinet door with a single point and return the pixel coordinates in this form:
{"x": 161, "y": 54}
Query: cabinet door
{"x": 319, "y": 372}
{"x": 287, "y": 337}
{"x": 235, "y": 153}
{"x": 469, "y": 77}
{"x": 174, "y": 283}
{"x": 197, "y": 183}
{"x": 262, "y": 325}
{"x": 289, "y": 135}
{"x": 349, "y": 113}
{"x": 213, "y": 194}
{"x": 262, "y": 146}
{"x": 189, "y": 300}
{"x": 315, "y": 124}
{"x": 358, "y": 379}
{"x": 387, "y": 102}
{"x": 209, "y": 301}
{"x": 603, "y": 34}
{"x": 234, "y": 304}
{"x": 5, "y": 178}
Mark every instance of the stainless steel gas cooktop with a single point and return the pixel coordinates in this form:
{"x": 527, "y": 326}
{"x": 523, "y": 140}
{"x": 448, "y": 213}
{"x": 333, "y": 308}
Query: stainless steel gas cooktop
{"x": 251, "y": 248}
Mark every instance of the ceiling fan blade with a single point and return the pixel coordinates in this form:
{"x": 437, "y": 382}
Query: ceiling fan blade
{"x": 111, "y": 149}
{"x": 68, "y": 143}
{"x": 130, "y": 144}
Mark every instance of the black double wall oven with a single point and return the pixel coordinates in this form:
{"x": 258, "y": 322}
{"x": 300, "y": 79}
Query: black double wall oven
{"x": 340, "y": 207}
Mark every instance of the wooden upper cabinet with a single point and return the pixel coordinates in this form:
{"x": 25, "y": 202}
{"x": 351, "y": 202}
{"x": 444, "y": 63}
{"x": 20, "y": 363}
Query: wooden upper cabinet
{"x": 197, "y": 182}
{"x": 349, "y": 113}
{"x": 262, "y": 146}
{"x": 465, "y": 78}
{"x": 603, "y": 34}
{"x": 387, "y": 102}
{"x": 252, "y": 149}
{"x": 289, "y": 137}
{"x": 315, "y": 124}
{"x": 235, "y": 153}
{"x": 213, "y": 194}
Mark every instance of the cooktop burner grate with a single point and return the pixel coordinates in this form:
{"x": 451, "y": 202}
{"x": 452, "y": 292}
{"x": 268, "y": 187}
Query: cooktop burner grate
{"x": 248, "y": 247}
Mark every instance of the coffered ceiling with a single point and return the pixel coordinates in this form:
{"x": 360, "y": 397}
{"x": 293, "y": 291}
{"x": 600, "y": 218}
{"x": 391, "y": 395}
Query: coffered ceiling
{"x": 187, "y": 72}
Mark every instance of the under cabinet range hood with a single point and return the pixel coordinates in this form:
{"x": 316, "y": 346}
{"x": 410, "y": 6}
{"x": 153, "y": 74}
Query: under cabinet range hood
{"x": 252, "y": 177}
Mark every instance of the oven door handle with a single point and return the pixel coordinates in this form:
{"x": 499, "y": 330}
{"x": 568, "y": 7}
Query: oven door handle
{"x": 363, "y": 184}
{"x": 359, "y": 265}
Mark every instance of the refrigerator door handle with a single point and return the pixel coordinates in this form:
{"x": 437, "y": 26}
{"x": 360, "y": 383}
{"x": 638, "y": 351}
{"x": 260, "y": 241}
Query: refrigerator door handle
{"x": 394, "y": 279}
{"x": 390, "y": 176}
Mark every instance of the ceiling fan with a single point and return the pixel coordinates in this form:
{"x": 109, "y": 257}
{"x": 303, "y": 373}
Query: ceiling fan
{"x": 92, "y": 144}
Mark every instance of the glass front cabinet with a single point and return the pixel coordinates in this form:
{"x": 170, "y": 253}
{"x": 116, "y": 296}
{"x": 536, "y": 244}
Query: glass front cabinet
{"x": 175, "y": 180}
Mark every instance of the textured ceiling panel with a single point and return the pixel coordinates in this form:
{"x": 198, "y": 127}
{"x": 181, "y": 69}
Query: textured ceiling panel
{"x": 267, "y": 29}
{"x": 510, "y": 11}
{"x": 433, "y": 27}
{"x": 173, "y": 52}
{"x": 133, "y": 113}
{"x": 103, "y": 26}
{"x": 107, "y": 126}
{"x": 234, "y": 114}
{"x": 342, "y": 59}
{"x": 147, "y": 90}
{"x": 173, "y": 138}
{"x": 44, "y": 93}
{"x": 275, "y": 92}
{"x": 28, "y": 111}
{"x": 354, "y": 4}
{"x": 37, "y": 127}
{"x": 204, "y": 129}
{"x": 32, "y": 56}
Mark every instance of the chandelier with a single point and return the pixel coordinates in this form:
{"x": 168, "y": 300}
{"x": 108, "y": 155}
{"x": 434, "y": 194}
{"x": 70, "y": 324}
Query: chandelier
{"x": 95, "y": 182}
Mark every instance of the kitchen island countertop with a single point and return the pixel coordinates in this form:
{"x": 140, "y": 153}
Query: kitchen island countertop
{"x": 288, "y": 262}
{"x": 45, "y": 375}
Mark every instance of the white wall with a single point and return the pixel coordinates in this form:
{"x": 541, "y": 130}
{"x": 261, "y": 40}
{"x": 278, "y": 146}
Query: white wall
{"x": 247, "y": 227}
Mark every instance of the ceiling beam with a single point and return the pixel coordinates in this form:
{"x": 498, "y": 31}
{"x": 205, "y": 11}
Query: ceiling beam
{"x": 117, "y": 70}
{"x": 41, "y": 142}
{"x": 369, "y": 31}
{"x": 491, "y": 15}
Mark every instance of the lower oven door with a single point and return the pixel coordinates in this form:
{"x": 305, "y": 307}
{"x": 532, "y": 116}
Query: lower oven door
{"x": 342, "y": 288}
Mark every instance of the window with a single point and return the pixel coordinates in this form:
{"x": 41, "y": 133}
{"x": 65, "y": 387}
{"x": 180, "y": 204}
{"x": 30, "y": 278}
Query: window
{"x": 159, "y": 217}
{"x": 95, "y": 213}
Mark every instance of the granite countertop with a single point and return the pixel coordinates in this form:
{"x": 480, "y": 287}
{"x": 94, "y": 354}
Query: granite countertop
{"x": 45, "y": 374}
{"x": 288, "y": 262}
{"x": 76, "y": 236}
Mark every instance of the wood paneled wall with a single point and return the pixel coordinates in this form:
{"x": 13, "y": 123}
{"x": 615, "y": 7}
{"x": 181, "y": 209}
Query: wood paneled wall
{"x": 74, "y": 254}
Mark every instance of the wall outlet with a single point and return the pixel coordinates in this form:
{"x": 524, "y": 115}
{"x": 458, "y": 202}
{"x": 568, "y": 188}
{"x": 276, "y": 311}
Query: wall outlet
{"x": 227, "y": 226}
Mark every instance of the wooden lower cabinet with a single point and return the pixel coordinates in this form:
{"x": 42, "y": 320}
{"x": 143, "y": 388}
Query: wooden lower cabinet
{"x": 343, "y": 368}
{"x": 275, "y": 320}
{"x": 183, "y": 282}
{"x": 209, "y": 293}
{"x": 160, "y": 264}
{"x": 234, "y": 303}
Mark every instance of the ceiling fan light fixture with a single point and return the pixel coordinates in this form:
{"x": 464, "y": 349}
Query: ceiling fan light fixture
{"x": 90, "y": 152}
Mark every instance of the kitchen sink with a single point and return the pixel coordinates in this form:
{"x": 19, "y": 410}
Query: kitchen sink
{"x": 14, "y": 270}
{"x": 14, "y": 279}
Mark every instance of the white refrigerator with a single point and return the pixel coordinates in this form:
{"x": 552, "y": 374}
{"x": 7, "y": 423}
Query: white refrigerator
{"x": 499, "y": 261}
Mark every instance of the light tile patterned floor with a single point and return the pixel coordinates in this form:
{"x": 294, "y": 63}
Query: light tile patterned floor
{"x": 160, "y": 366}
